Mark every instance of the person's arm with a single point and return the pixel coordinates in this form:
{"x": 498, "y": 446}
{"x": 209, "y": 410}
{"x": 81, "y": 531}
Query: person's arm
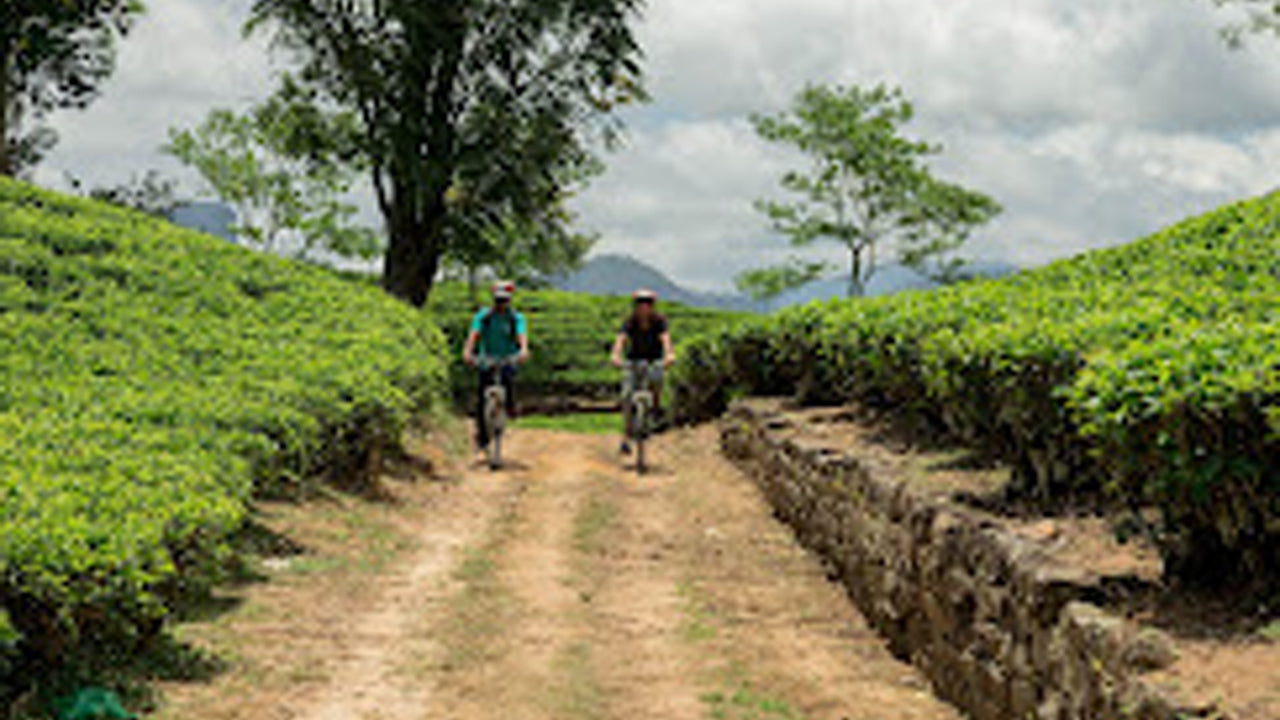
{"x": 523, "y": 340}
{"x": 469, "y": 347}
{"x": 619, "y": 344}
{"x": 668, "y": 350}
{"x": 473, "y": 339}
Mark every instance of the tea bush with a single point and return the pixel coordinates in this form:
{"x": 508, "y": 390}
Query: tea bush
{"x": 154, "y": 380}
{"x": 1149, "y": 371}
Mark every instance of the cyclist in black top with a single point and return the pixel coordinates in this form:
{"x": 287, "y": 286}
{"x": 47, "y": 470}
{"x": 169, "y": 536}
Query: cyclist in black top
{"x": 645, "y": 335}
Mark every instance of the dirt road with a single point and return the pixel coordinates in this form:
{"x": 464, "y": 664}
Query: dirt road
{"x": 562, "y": 588}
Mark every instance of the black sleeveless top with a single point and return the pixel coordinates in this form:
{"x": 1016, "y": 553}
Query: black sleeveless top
{"x": 645, "y": 343}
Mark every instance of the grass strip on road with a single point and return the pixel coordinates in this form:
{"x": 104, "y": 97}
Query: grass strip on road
{"x": 581, "y": 423}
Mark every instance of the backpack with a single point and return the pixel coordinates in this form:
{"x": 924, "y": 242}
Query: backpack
{"x": 487, "y": 322}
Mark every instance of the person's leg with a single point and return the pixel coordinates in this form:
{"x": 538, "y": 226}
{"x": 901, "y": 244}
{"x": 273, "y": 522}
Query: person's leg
{"x": 509, "y": 385}
{"x": 482, "y": 427}
{"x": 628, "y": 385}
{"x": 656, "y": 376}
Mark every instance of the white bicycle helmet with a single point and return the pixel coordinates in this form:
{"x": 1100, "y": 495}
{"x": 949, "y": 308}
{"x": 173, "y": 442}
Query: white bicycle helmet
{"x": 503, "y": 290}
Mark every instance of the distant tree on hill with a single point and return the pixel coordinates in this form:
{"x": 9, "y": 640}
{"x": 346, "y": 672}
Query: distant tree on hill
{"x": 869, "y": 188}
{"x": 258, "y": 163}
{"x": 769, "y": 283}
{"x": 492, "y": 104}
{"x": 53, "y": 54}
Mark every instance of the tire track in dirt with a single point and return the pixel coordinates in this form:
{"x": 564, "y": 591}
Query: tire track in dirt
{"x": 372, "y": 648}
{"x": 532, "y": 569}
{"x": 648, "y": 671}
{"x": 594, "y": 627}
{"x": 778, "y": 630}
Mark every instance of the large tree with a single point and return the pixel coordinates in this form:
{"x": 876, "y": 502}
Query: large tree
{"x": 463, "y": 104}
{"x": 53, "y": 54}
{"x": 868, "y": 188}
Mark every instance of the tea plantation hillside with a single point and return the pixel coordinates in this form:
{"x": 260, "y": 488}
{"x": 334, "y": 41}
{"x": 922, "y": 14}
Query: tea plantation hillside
{"x": 153, "y": 380}
{"x": 1150, "y": 372}
{"x": 570, "y": 335}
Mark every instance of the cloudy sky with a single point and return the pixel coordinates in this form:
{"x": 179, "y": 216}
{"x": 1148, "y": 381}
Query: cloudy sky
{"x": 1092, "y": 121}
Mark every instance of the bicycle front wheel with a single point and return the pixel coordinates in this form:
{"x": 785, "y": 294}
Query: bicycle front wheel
{"x": 495, "y": 451}
{"x": 496, "y": 419}
{"x": 642, "y": 434}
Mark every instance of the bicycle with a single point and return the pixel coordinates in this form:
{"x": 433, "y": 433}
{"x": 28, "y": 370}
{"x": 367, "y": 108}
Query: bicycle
{"x": 640, "y": 405}
{"x": 495, "y": 405}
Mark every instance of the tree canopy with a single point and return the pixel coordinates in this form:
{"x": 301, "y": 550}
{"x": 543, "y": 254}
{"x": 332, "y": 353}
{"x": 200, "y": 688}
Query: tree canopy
{"x": 471, "y": 114}
{"x": 771, "y": 282}
{"x": 869, "y": 187}
{"x": 52, "y": 55}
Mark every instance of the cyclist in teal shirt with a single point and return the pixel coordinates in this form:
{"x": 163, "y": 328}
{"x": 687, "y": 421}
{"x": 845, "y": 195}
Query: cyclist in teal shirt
{"x": 500, "y": 334}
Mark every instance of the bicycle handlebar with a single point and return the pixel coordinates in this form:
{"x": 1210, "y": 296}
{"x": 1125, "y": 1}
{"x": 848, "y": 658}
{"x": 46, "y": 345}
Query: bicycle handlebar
{"x": 488, "y": 363}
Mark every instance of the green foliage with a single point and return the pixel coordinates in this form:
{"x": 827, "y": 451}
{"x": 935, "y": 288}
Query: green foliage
{"x": 569, "y": 335}
{"x": 472, "y": 113}
{"x": 1151, "y": 371}
{"x": 52, "y": 55}
{"x": 525, "y": 252}
{"x": 259, "y": 163}
{"x": 153, "y": 380}
{"x": 580, "y": 423}
{"x": 1259, "y": 17}
{"x": 870, "y": 185}
{"x": 769, "y": 283}
{"x": 746, "y": 703}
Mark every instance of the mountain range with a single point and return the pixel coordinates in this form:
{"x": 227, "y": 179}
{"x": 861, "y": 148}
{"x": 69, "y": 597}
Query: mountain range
{"x": 211, "y": 218}
{"x": 621, "y": 274}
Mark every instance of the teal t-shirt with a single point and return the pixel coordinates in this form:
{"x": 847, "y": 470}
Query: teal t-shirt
{"x": 499, "y": 336}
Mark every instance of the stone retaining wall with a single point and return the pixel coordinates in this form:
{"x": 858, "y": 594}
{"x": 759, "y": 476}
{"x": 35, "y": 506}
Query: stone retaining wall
{"x": 1001, "y": 631}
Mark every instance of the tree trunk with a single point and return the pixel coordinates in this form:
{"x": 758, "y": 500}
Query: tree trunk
{"x": 412, "y": 261}
{"x": 856, "y": 285}
{"x": 6, "y": 162}
{"x": 424, "y": 160}
{"x": 409, "y": 269}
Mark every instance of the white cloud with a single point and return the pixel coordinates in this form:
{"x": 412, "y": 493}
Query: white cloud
{"x": 184, "y": 58}
{"x": 1093, "y": 121}
{"x": 680, "y": 195}
{"x": 1030, "y": 61}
